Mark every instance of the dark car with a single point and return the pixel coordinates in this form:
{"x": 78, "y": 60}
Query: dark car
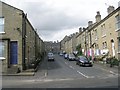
{"x": 71, "y": 57}
{"x": 83, "y": 61}
{"x": 51, "y": 57}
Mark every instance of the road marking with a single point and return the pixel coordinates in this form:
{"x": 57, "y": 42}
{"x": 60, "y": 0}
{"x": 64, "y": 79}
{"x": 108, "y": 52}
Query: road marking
{"x": 113, "y": 73}
{"x": 83, "y": 74}
{"x": 51, "y": 80}
{"x": 72, "y": 67}
{"x": 45, "y": 74}
{"x": 66, "y": 63}
{"x": 107, "y": 71}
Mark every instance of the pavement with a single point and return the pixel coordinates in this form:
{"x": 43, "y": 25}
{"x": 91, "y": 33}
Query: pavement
{"x": 106, "y": 65}
{"x": 28, "y": 72}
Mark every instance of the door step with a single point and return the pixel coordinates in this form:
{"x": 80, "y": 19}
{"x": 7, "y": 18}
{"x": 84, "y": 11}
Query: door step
{"x": 12, "y": 70}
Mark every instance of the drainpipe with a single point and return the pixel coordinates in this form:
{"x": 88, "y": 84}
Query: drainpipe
{"x": 36, "y": 45}
{"x": 23, "y": 40}
{"x": 85, "y": 41}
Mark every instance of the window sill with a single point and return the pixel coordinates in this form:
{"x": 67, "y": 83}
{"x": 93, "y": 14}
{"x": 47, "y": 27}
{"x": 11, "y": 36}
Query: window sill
{"x": 2, "y": 58}
{"x": 104, "y": 36}
{"x": 96, "y": 39}
{"x": 118, "y": 52}
{"x": 2, "y": 32}
{"x": 117, "y": 30}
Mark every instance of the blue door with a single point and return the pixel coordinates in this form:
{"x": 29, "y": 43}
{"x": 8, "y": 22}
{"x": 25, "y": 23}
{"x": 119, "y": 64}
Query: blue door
{"x": 13, "y": 52}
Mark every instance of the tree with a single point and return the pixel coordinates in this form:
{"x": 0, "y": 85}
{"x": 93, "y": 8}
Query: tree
{"x": 79, "y": 49}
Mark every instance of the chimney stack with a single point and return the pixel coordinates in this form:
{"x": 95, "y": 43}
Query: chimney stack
{"x": 98, "y": 17}
{"x": 119, "y": 4}
{"x": 110, "y": 9}
{"x": 84, "y": 29}
{"x": 90, "y": 23}
{"x": 80, "y": 30}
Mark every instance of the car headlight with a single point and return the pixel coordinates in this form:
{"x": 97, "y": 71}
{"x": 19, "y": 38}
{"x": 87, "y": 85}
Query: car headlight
{"x": 82, "y": 61}
{"x": 91, "y": 61}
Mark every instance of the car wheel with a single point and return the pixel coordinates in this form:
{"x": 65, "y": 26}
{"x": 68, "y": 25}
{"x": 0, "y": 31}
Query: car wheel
{"x": 91, "y": 65}
{"x": 76, "y": 63}
{"x": 80, "y": 64}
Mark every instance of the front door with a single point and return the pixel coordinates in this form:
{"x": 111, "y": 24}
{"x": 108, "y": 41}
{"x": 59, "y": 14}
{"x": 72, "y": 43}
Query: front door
{"x": 13, "y": 52}
{"x": 113, "y": 47}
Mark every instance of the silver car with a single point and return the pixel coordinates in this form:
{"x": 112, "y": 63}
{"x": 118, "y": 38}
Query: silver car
{"x": 71, "y": 57}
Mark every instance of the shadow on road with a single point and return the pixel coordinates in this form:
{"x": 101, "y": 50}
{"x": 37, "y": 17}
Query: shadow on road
{"x": 53, "y": 65}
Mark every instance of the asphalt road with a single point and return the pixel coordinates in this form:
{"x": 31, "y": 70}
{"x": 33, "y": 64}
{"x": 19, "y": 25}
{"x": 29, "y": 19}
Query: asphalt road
{"x": 62, "y": 73}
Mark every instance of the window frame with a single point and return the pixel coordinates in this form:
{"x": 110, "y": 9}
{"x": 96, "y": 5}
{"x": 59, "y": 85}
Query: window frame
{"x": 96, "y": 34}
{"x": 118, "y": 44}
{"x": 117, "y": 24}
{"x": 2, "y": 50}
{"x": 2, "y": 23}
{"x": 103, "y": 30}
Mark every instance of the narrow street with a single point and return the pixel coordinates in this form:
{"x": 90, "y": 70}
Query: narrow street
{"x": 62, "y": 73}
{"x": 37, "y": 35}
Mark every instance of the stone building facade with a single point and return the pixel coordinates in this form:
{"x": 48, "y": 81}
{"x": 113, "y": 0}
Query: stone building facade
{"x": 20, "y": 44}
{"x": 101, "y": 37}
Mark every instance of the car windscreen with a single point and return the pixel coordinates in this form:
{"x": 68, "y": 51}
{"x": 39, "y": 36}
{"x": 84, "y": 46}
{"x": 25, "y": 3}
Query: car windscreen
{"x": 71, "y": 55}
{"x": 50, "y": 54}
{"x": 83, "y": 59}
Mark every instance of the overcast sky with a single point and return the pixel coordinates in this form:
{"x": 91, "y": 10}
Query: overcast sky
{"x": 54, "y": 19}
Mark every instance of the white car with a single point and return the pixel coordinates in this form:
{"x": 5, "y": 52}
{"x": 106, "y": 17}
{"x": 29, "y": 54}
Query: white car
{"x": 51, "y": 57}
{"x": 66, "y": 56}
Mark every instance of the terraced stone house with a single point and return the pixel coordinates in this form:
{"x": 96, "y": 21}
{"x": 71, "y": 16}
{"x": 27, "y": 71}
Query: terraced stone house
{"x": 20, "y": 45}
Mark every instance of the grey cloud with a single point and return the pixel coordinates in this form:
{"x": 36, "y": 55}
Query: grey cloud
{"x": 58, "y": 21}
{"x": 48, "y": 18}
{"x": 49, "y": 21}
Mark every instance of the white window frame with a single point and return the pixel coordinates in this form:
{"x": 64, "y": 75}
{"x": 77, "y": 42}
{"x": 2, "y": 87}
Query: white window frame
{"x": 2, "y": 49}
{"x": 117, "y": 22}
{"x": 104, "y": 45}
{"x": 103, "y": 30}
{"x": 119, "y": 45}
{"x": 2, "y": 22}
{"x": 96, "y": 34}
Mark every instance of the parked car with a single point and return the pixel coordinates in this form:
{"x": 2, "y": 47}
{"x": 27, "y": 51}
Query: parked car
{"x": 71, "y": 57}
{"x": 51, "y": 57}
{"x": 66, "y": 56}
{"x": 83, "y": 61}
{"x": 61, "y": 54}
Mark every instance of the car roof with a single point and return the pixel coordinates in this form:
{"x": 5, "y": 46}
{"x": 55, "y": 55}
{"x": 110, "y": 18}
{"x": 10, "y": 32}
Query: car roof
{"x": 81, "y": 56}
{"x": 50, "y": 53}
